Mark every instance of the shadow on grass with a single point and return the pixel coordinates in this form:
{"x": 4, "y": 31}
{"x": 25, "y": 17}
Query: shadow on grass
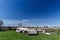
{"x": 33, "y": 34}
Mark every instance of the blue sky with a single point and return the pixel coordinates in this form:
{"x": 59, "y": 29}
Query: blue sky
{"x": 30, "y": 12}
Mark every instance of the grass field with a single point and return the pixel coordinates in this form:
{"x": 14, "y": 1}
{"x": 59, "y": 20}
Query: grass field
{"x": 12, "y": 35}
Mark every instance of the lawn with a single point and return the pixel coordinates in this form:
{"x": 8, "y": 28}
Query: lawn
{"x": 12, "y": 35}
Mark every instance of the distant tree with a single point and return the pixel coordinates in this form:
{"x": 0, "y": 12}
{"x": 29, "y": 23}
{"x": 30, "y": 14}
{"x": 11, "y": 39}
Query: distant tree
{"x": 1, "y": 22}
{"x": 20, "y": 25}
{"x": 55, "y": 26}
{"x": 45, "y": 26}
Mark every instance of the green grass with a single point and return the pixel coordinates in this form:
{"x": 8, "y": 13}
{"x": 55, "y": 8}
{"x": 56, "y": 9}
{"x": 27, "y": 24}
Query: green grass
{"x": 12, "y": 35}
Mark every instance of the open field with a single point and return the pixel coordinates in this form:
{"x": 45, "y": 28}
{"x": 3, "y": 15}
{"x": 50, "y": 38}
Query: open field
{"x": 12, "y": 35}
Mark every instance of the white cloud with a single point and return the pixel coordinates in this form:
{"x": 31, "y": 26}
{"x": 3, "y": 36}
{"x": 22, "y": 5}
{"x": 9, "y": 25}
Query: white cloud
{"x": 25, "y": 20}
{"x": 13, "y": 22}
{"x": 32, "y": 22}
